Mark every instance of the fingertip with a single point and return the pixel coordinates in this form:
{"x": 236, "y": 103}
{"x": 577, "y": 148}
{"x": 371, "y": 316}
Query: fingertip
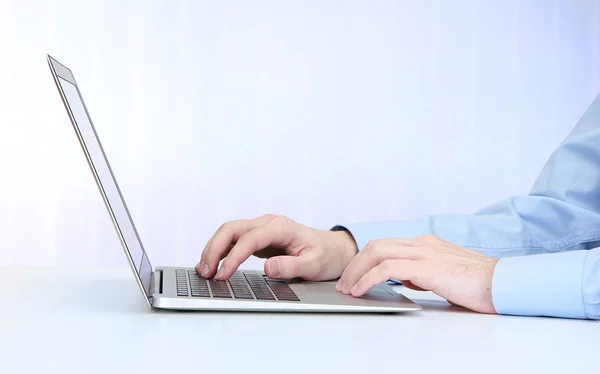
{"x": 356, "y": 291}
{"x": 203, "y": 268}
{"x": 344, "y": 286}
{"x": 273, "y": 268}
{"x": 220, "y": 273}
{"x": 267, "y": 269}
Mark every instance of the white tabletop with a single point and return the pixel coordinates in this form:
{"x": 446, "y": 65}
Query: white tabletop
{"x": 66, "y": 321}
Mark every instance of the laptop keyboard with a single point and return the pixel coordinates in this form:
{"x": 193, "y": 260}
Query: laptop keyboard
{"x": 241, "y": 285}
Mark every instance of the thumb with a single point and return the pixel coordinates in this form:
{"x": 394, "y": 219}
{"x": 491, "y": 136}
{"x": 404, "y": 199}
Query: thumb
{"x": 287, "y": 267}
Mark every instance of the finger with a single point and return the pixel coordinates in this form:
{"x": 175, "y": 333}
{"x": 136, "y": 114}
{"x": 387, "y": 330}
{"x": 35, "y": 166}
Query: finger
{"x": 409, "y": 284}
{"x": 372, "y": 255}
{"x": 219, "y": 245}
{"x": 277, "y": 232}
{"x": 225, "y": 253}
{"x": 201, "y": 266}
{"x": 288, "y": 267}
{"x": 405, "y": 242}
{"x": 401, "y": 269}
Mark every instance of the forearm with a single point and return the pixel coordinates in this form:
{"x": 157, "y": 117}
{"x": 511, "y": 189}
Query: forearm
{"x": 518, "y": 226}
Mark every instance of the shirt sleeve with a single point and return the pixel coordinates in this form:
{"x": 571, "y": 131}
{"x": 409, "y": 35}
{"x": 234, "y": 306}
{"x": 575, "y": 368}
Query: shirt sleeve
{"x": 565, "y": 284}
{"x": 561, "y": 213}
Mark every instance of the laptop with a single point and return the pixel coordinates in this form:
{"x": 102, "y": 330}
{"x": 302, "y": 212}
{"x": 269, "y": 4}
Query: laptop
{"x": 178, "y": 288}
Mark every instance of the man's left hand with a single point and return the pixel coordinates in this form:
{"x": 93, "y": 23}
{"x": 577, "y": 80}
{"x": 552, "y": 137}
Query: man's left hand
{"x": 458, "y": 274}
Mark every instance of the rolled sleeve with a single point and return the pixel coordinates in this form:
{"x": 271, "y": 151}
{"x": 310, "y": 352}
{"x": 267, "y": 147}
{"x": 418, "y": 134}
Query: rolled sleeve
{"x": 549, "y": 284}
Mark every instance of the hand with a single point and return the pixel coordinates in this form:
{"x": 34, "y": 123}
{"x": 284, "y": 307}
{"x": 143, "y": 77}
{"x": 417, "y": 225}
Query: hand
{"x": 293, "y": 250}
{"x": 459, "y": 275}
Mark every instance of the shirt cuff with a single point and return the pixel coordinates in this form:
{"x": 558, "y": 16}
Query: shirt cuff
{"x": 547, "y": 284}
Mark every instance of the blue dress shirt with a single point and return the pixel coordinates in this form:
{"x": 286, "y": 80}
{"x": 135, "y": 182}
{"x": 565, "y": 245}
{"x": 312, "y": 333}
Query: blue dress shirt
{"x": 547, "y": 242}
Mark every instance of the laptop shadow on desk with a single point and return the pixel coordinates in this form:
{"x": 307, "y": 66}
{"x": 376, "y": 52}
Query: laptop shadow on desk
{"x": 276, "y": 314}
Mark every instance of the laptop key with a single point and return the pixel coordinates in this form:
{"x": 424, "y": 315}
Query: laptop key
{"x": 283, "y": 291}
{"x": 220, "y": 289}
{"x": 265, "y": 297}
{"x": 240, "y": 285}
{"x": 200, "y": 293}
{"x": 245, "y": 296}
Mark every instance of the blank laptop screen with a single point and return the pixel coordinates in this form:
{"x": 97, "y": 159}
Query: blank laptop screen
{"x": 107, "y": 182}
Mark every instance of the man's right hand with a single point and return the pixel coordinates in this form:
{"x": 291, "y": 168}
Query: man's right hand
{"x": 292, "y": 250}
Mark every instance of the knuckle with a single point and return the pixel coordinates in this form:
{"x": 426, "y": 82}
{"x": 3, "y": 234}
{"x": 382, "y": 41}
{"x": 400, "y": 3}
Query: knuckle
{"x": 428, "y": 238}
{"x": 291, "y": 267}
{"x": 387, "y": 266}
{"x": 372, "y": 245}
{"x": 279, "y": 222}
{"x": 224, "y": 228}
{"x": 280, "y": 219}
{"x": 248, "y": 237}
{"x": 268, "y": 216}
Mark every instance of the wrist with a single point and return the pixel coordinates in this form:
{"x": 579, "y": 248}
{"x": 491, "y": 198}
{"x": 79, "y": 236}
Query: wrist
{"x": 344, "y": 242}
{"x": 488, "y": 301}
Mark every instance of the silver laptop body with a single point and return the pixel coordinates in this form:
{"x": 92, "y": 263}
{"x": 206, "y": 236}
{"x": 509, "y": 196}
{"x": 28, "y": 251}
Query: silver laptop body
{"x": 182, "y": 288}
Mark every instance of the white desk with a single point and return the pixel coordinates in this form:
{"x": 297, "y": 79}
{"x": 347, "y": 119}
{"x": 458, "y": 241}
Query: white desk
{"x": 59, "y": 321}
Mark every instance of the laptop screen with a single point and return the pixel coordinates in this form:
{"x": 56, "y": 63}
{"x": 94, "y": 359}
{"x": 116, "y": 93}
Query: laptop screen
{"x": 104, "y": 176}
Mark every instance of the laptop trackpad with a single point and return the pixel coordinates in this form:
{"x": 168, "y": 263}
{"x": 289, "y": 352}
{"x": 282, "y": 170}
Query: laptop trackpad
{"x": 325, "y": 293}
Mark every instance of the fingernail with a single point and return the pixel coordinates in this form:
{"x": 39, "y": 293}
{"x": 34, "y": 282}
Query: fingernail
{"x": 205, "y": 269}
{"x": 343, "y": 287}
{"x": 274, "y": 267}
{"x": 337, "y": 286}
{"x": 220, "y": 272}
{"x": 354, "y": 289}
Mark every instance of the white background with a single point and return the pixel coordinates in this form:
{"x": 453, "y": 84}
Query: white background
{"x": 326, "y": 111}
